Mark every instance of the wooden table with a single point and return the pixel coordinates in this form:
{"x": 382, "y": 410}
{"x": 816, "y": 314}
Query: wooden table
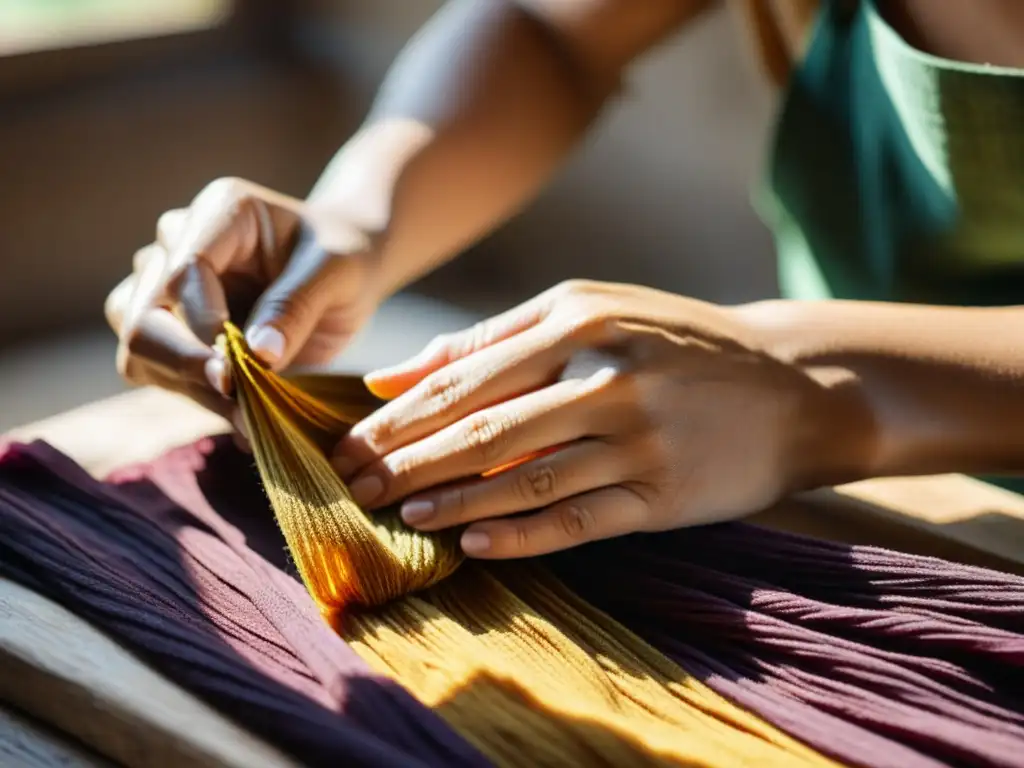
{"x": 59, "y": 671}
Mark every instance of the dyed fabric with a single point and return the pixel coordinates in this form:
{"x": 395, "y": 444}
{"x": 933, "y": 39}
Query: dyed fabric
{"x": 153, "y": 565}
{"x": 516, "y": 663}
{"x": 879, "y": 657}
{"x": 207, "y": 604}
{"x": 871, "y": 657}
{"x": 826, "y": 641}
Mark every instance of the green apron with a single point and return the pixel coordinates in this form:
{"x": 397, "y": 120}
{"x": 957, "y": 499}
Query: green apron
{"x": 896, "y": 175}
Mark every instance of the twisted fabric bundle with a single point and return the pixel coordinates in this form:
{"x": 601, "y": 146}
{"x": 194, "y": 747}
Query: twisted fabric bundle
{"x": 494, "y": 655}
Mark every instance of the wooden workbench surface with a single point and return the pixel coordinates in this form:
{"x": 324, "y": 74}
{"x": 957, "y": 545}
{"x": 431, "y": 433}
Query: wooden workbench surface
{"x": 63, "y": 672}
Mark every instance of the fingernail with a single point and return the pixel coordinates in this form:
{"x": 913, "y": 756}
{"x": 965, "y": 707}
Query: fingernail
{"x": 417, "y": 511}
{"x": 376, "y": 389}
{"x": 475, "y": 542}
{"x": 217, "y": 373}
{"x": 366, "y": 490}
{"x": 266, "y": 342}
{"x": 381, "y": 386}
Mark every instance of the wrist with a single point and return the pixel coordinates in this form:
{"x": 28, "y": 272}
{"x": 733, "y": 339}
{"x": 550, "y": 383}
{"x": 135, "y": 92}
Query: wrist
{"x": 359, "y": 249}
{"x": 834, "y": 434}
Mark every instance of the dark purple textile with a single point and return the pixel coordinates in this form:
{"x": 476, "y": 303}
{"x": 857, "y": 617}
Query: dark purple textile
{"x": 873, "y": 657}
{"x": 207, "y": 605}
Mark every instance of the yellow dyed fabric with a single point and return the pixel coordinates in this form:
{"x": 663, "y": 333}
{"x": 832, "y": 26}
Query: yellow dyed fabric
{"x": 521, "y": 667}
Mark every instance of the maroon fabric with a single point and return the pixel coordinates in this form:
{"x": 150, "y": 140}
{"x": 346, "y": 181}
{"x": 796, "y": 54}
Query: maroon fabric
{"x": 874, "y": 657}
{"x": 150, "y": 562}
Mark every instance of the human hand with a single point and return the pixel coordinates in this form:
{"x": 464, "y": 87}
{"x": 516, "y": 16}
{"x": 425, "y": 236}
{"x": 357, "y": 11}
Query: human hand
{"x": 651, "y": 411}
{"x": 305, "y": 280}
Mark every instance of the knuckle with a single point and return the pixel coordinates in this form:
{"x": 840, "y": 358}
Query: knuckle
{"x": 115, "y": 304}
{"x": 168, "y": 224}
{"x": 583, "y": 321}
{"x": 536, "y": 485}
{"x": 379, "y": 434}
{"x": 440, "y": 341}
{"x": 576, "y": 521}
{"x": 441, "y": 391}
{"x": 441, "y": 347}
{"x": 486, "y": 436}
{"x": 227, "y": 190}
{"x": 284, "y": 307}
{"x": 144, "y": 257}
{"x": 572, "y": 288}
{"x": 474, "y": 338}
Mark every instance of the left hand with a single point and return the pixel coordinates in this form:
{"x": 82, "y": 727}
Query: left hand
{"x": 649, "y": 411}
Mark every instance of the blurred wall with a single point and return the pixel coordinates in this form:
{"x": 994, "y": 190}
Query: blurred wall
{"x": 659, "y": 196}
{"x": 85, "y": 171}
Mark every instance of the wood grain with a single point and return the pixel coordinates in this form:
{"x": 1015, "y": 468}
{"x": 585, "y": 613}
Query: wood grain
{"x": 68, "y": 674}
{"x": 27, "y": 743}
{"x": 61, "y": 670}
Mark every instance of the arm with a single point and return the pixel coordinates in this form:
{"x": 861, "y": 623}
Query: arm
{"x": 474, "y": 117}
{"x": 476, "y": 114}
{"x": 914, "y": 389}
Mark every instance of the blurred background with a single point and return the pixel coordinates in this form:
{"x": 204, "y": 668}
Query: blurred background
{"x": 112, "y": 111}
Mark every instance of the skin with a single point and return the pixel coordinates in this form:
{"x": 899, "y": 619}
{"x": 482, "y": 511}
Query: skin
{"x": 627, "y": 408}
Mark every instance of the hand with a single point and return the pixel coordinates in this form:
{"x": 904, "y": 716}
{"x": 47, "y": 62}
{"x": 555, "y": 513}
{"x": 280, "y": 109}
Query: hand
{"x": 651, "y": 411}
{"x": 308, "y": 280}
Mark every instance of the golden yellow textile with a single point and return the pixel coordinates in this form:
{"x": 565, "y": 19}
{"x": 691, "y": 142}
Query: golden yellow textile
{"x": 515, "y": 662}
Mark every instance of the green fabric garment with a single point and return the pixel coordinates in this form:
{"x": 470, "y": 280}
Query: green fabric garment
{"x": 896, "y": 175}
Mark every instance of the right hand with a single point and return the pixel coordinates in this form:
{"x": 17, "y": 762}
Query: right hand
{"x": 300, "y": 282}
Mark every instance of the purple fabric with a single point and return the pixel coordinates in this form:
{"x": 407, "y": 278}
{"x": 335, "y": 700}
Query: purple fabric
{"x": 873, "y": 657}
{"x": 150, "y": 562}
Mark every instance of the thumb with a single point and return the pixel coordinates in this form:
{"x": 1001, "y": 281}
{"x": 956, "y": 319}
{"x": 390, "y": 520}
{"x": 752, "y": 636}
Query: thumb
{"x": 389, "y": 383}
{"x": 288, "y": 312}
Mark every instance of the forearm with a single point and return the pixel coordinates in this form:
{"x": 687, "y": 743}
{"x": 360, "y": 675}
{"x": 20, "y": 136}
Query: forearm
{"x": 916, "y": 389}
{"x": 477, "y": 113}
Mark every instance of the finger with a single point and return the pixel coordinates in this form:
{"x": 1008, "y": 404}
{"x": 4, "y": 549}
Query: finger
{"x": 170, "y": 226}
{"x": 147, "y": 293}
{"x": 552, "y": 416}
{"x": 161, "y": 350}
{"x": 585, "y": 465}
{"x": 522, "y": 363}
{"x": 117, "y": 303}
{"x": 601, "y": 514}
{"x": 159, "y": 339}
{"x": 200, "y": 298}
{"x": 220, "y": 228}
{"x": 288, "y": 311}
{"x": 388, "y": 383}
